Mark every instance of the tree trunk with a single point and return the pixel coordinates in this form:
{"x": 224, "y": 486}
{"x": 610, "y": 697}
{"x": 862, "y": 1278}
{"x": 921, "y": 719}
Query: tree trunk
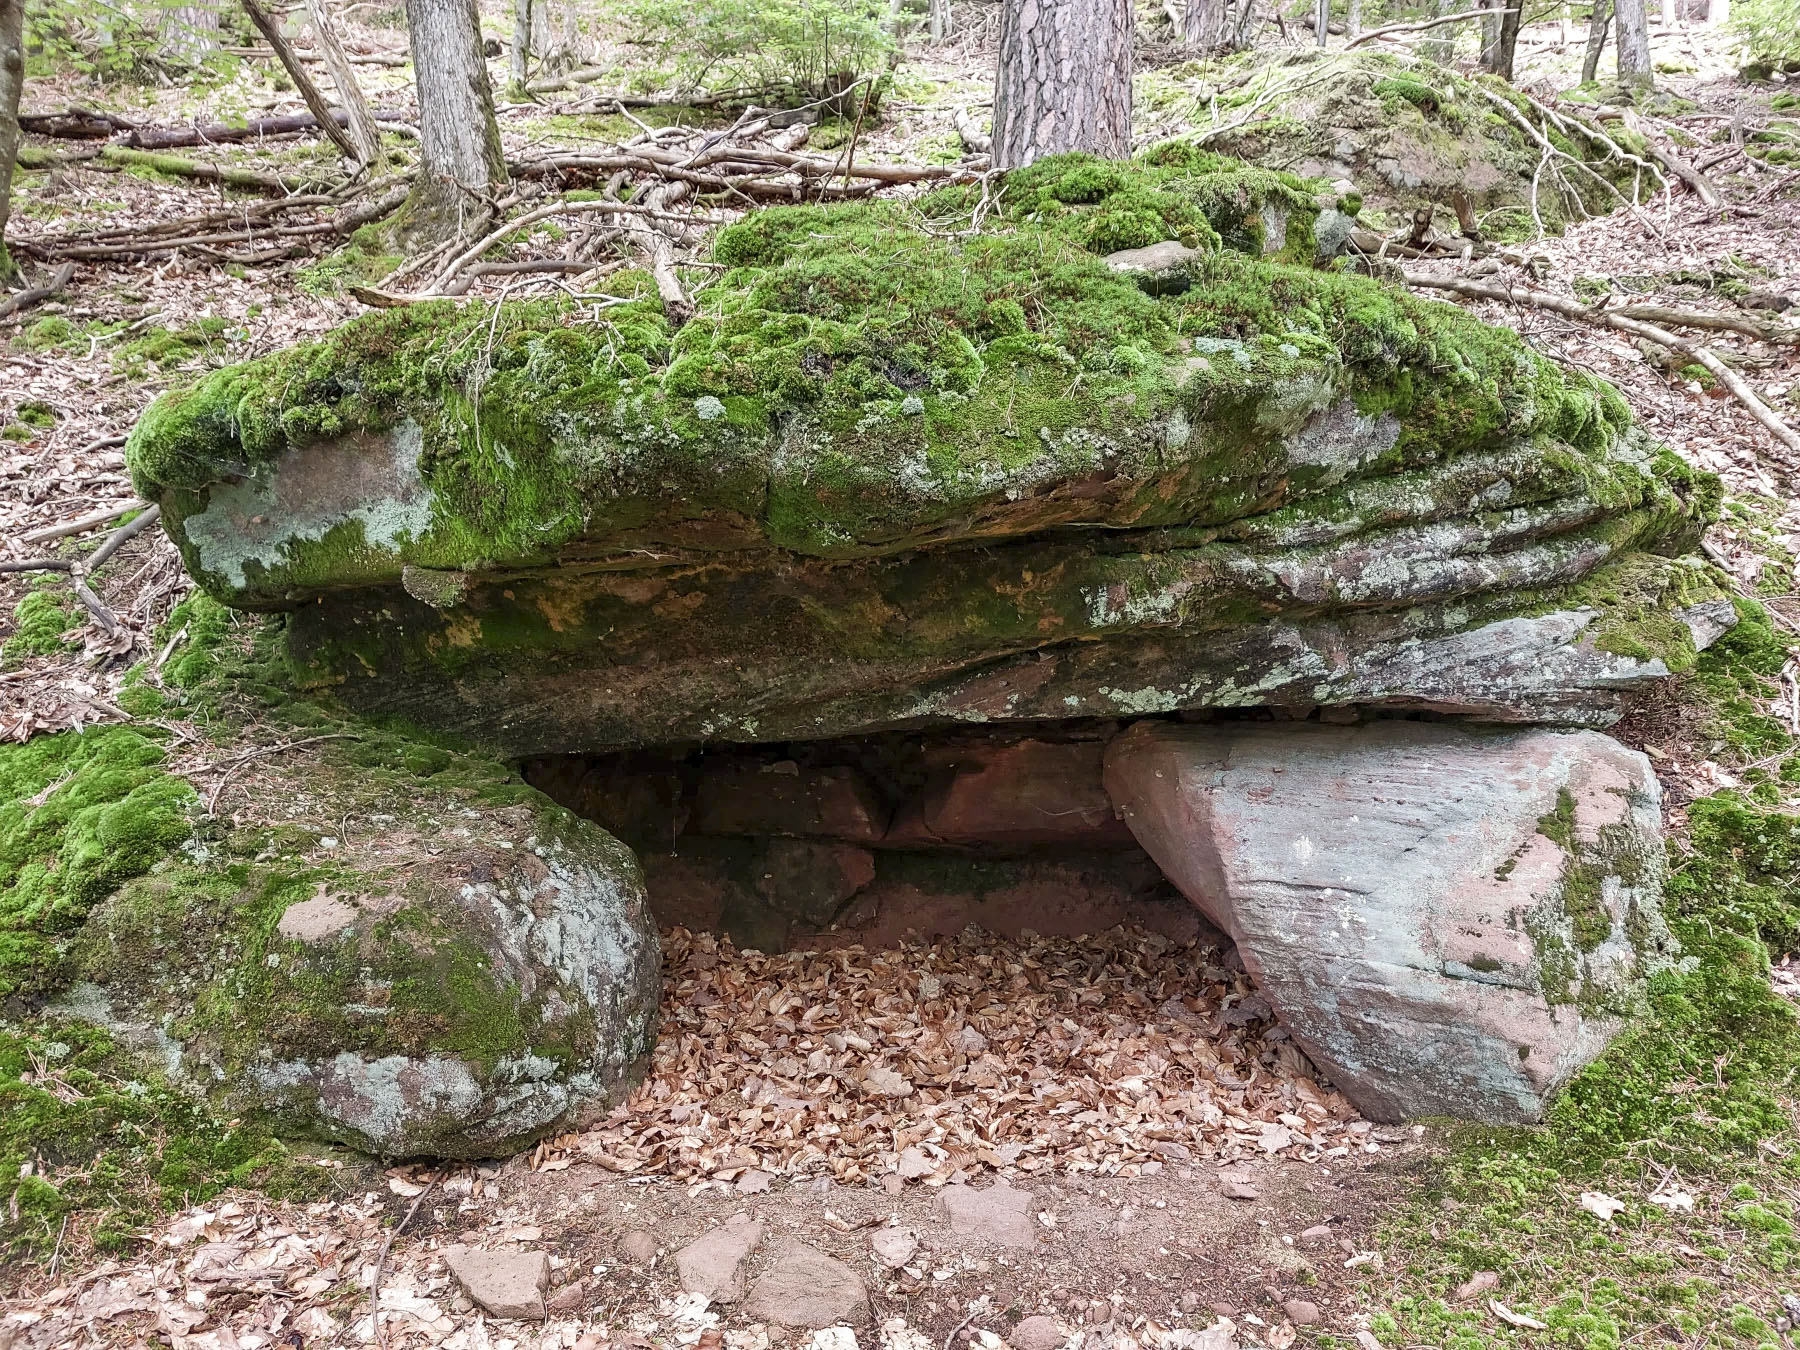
{"x": 1598, "y": 20}
{"x": 309, "y": 92}
{"x": 1490, "y": 36}
{"x": 189, "y": 33}
{"x": 1204, "y": 23}
{"x": 1718, "y": 12}
{"x": 519, "y": 66}
{"x": 1509, "y": 41}
{"x": 1631, "y": 22}
{"x": 1668, "y": 15}
{"x": 1440, "y": 43}
{"x": 12, "y": 83}
{"x": 1322, "y": 22}
{"x": 1242, "y": 32}
{"x": 459, "y": 141}
{"x": 1063, "y": 80}
{"x": 359, "y": 119}
{"x": 1352, "y": 19}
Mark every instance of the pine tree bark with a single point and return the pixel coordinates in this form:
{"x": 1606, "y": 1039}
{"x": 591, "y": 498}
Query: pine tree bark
{"x": 459, "y": 141}
{"x": 1204, "y": 23}
{"x": 1063, "y": 81}
{"x": 12, "y": 85}
{"x": 1631, "y": 36}
{"x": 1353, "y": 19}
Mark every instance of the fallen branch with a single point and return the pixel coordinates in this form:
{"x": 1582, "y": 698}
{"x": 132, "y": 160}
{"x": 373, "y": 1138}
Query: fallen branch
{"x": 123, "y": 157}
{"x": 79, "y": 570}
{"x": 1717, "y": 323}
{"x": 36, "y": 295}
{"x": 1423, "y": 24}
{"x": 74, "y": 124}
{"x": 1662, "y": 337}
{"x": 226, "y": 133}
{"x": 81, "y": 525}
{"x": 450, "y": 270}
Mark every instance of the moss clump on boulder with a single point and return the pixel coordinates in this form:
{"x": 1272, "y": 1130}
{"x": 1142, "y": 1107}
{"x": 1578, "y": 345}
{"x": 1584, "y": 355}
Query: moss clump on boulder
{"x": 480, "y": 972}
{"x": 1406, "y": 132}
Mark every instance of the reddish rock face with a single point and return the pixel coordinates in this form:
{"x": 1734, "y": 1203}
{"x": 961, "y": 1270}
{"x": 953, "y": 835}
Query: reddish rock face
{"x": 809, "y": 881}
{"x": 1021, "y": 795}
{"x": 785, "y": 798}
{"x": 1449, "y": 922}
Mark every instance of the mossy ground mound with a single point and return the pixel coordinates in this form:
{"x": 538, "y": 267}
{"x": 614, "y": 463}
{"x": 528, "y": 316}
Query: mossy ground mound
{"x": 1405, "y": 131}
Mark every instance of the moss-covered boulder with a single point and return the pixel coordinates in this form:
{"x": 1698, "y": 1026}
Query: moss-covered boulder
{"x": 938, "y": 462}
{"x": 1406, "y": 132}
{"x": 471, "y": 969}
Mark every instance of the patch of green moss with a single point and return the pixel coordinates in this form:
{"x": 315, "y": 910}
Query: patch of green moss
{"x": 40, "y": 624}
{"x": 80, "y": 813}
{"x": 46, "y": 333}
{"x": 83, "y": 1138}
{"x": 1409, "y": 90}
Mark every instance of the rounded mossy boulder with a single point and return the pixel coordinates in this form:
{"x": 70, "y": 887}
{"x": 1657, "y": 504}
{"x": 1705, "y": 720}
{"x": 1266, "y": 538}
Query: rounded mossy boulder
{"x": 475, "y": 969}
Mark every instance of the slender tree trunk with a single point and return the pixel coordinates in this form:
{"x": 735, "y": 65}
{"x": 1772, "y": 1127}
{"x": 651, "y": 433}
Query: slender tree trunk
{"x": 1631, "y": 22}
{"x": 1668, "y": 15}
{"x": 309, "y": 92}
{"x": 1063, "y": 80}
{"x": 12, "y": 83}
{"x": 1322, "y": 22}
{"x": 361, "y": 120}
{"x": 459, "y": 141}
{"x": 1506, "y": 44}
{"x": 1599, "y": 20}
{"x": 1242, "y": 33}
{"x": 1490, "y": 35}
{"x": 1718, "y": 12}
{"x": 519, "y": 66}
{"x": 1440, "y": 43}
{"x": 1352, "y": 19}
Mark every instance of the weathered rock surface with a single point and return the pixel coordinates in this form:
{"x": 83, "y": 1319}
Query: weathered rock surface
{"x": 803, "y": 1287}
{"x": 1407, "y": 132}
{"x": 876, "y": 498}
{"x": 1448, "y": 921}
{"x": 506, "y": 1283}
{"x": 713, "y": 1263}
{"x": 1000, "y": 1214}
{"x": 482, "y": 972}
{"x": 1027, "y": 793}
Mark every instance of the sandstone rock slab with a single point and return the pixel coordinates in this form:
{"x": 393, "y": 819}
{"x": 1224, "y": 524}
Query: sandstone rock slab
{"x": 1037, "y": 1333}
{"x": 811, "y": 879}
{"x": 1000, "y": 1214}
{"x": 803, "y": 1287}
{"x": 713, "y": 1264}
{"x": 1010, "y": 795}
{"x": 784, "y": 798}
{"x": 506, "y": 1283}
{"x": 1448, "y": 921}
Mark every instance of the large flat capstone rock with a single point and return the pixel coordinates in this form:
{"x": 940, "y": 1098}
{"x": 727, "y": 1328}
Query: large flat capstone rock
{"x": 868, "y": 495}
{"x": 1450, "y": 922}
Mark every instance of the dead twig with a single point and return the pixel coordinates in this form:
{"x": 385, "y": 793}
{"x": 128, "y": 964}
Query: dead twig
{"x": 381, "y": 1263}
{"x": 35, "y": 295}
{"x": 81, "y": 524}
{"x": 1389, "y": 29}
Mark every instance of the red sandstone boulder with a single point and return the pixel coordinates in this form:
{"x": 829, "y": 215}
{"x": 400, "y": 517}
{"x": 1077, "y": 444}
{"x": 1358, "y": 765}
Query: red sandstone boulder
{"x": 747, "y": 796}
{"x": 1014, "y": 795}
{"x": 1449, "y": 922}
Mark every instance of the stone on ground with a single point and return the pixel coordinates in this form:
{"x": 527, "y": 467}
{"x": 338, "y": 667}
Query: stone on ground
{"x": 1000, "y": 1214}
{"x": 1037, "y": 1333}
{"x": 803, "y": 1287}
{"x": 1448, "y": 922}
{"x": 894, "y": 1247}
{"x": 638, "y": 1246}
{"x": 713, "y": 1264}
{"x": 506, "y": 1283}
{"x": 1302, "y": 1313}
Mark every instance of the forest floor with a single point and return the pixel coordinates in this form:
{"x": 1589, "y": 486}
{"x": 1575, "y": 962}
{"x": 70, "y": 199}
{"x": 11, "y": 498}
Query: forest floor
{"x": 1288, "y": 1231}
